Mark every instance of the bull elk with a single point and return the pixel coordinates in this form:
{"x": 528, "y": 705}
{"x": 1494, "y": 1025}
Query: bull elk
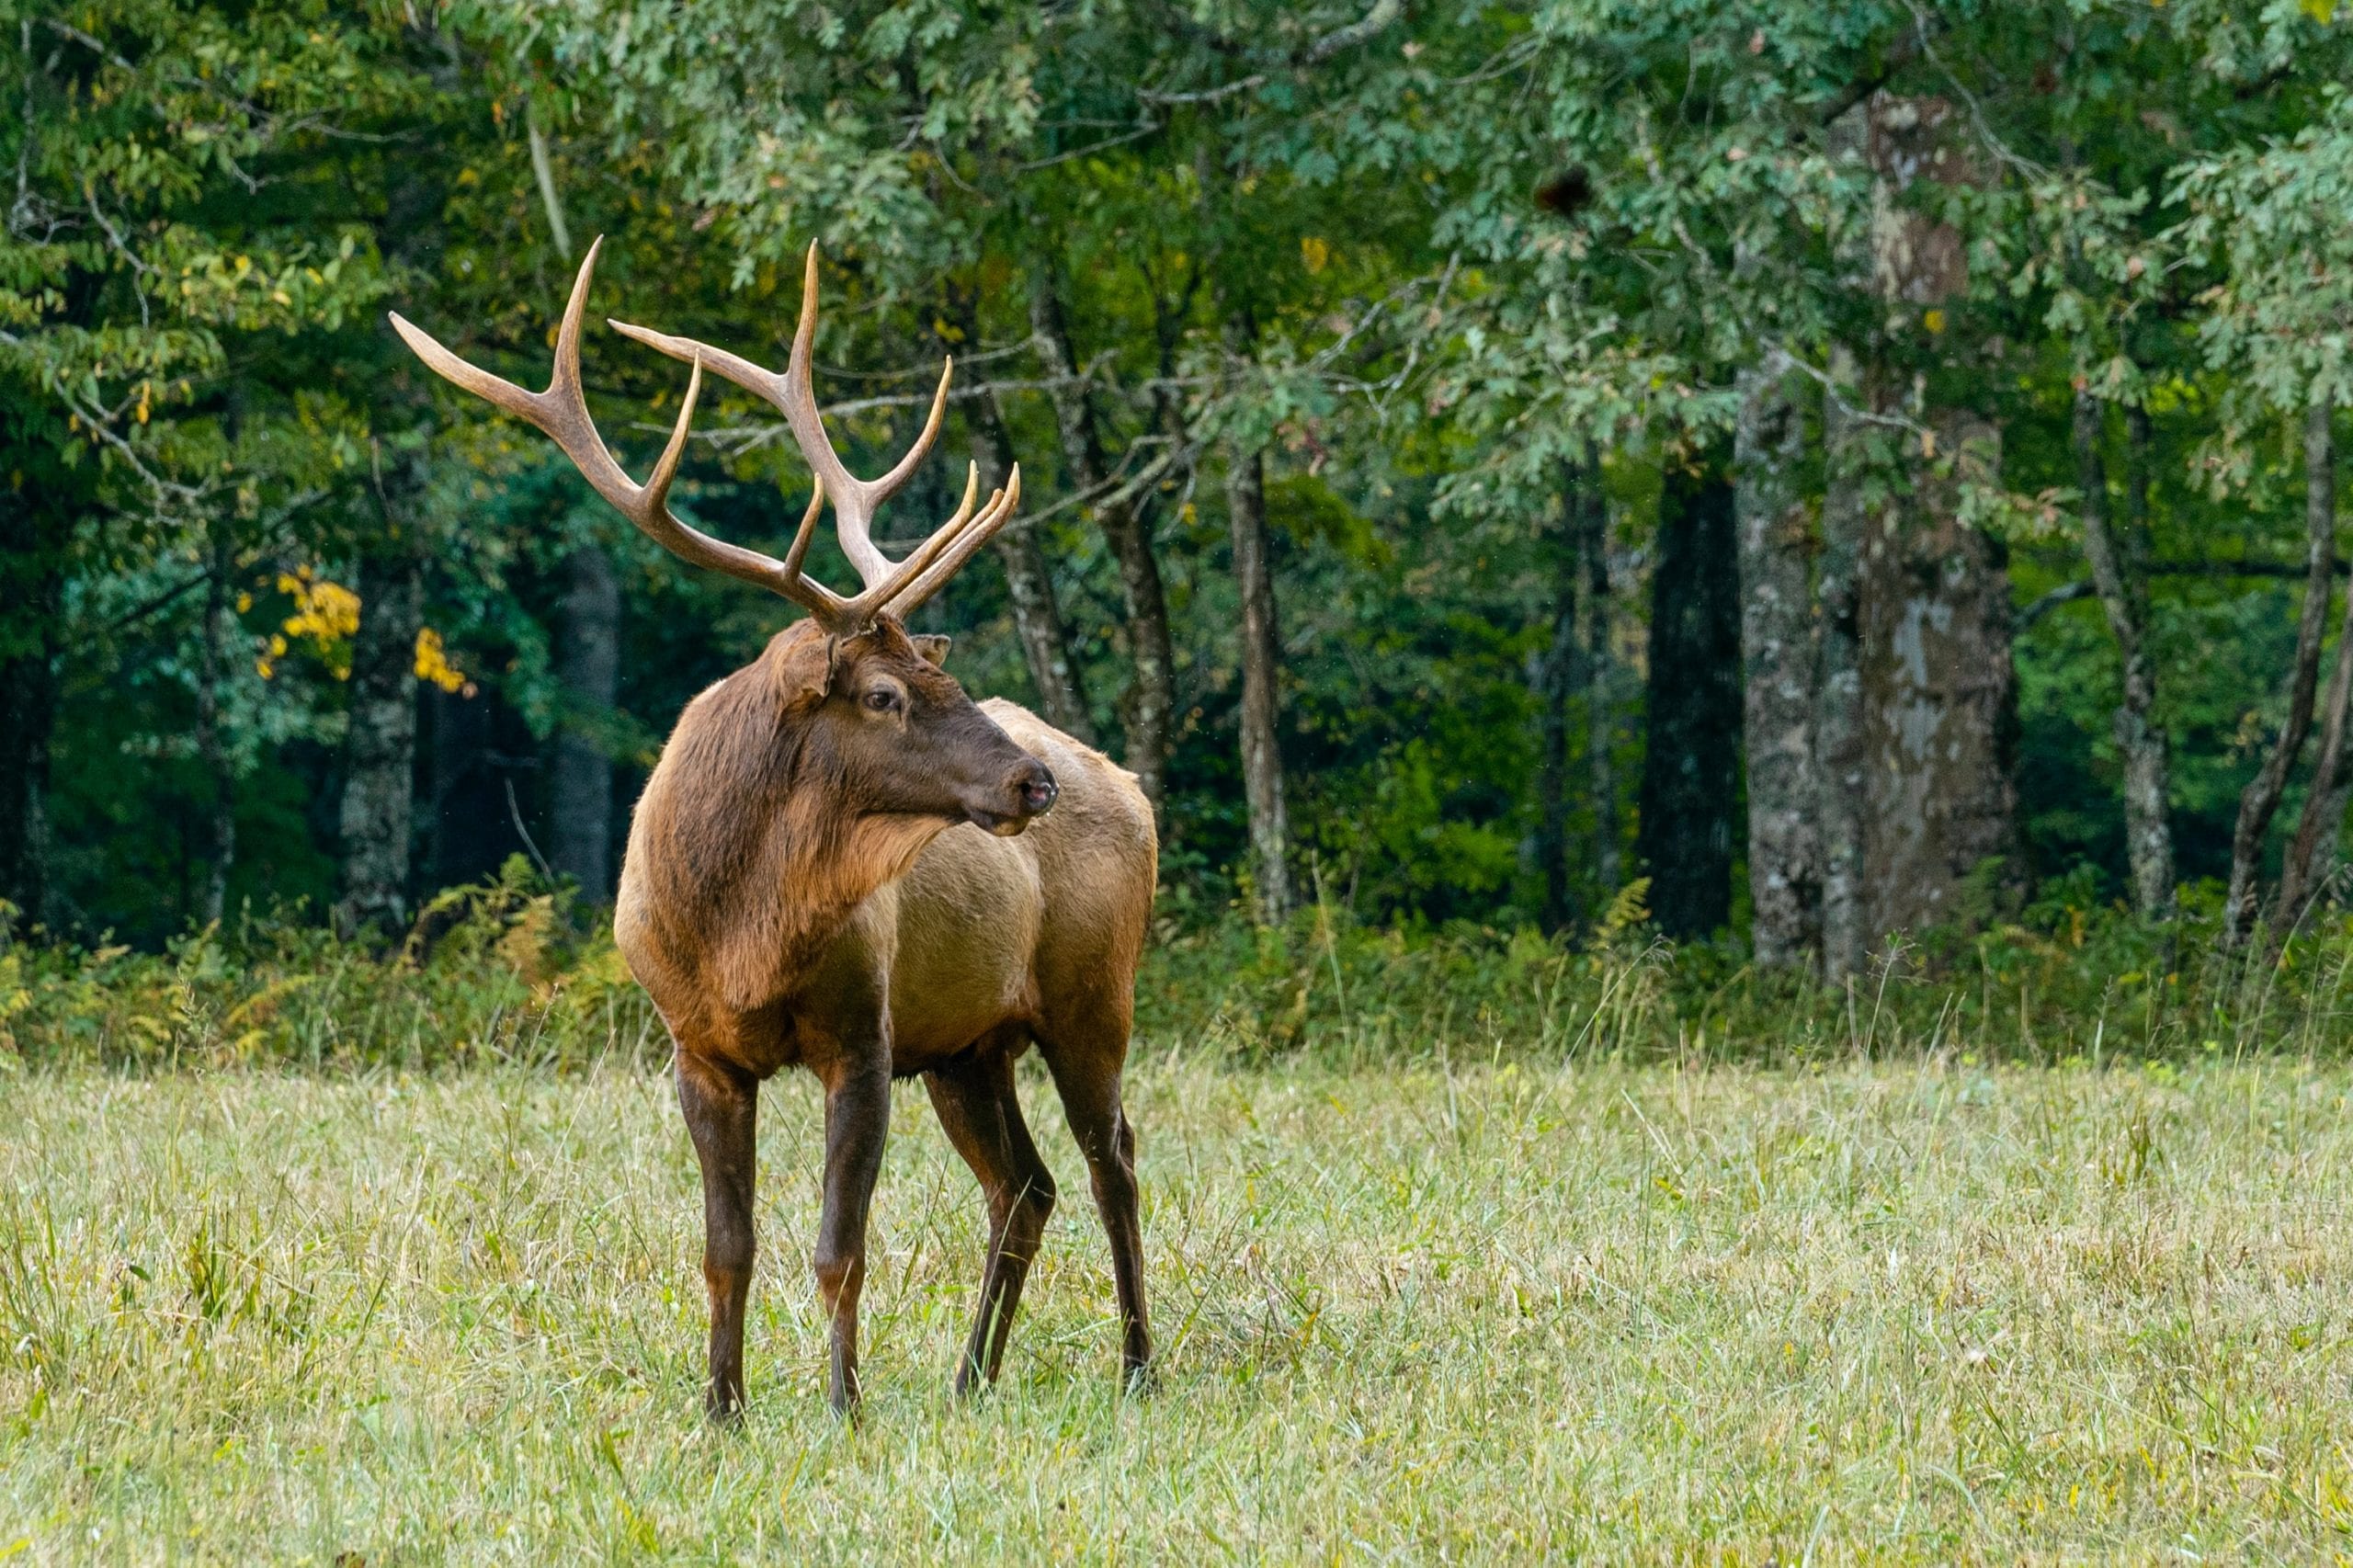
{"x": 829, "y": 867}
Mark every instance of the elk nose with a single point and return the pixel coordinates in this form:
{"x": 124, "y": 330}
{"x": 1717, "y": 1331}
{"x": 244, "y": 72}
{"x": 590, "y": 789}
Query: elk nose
{"x": 1036, "y": 787}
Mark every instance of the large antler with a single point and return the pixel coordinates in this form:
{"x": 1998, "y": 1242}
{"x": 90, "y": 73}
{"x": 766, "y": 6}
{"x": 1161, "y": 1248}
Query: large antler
{"x": 562, "y": 413}
{"x": 896, "y": 585}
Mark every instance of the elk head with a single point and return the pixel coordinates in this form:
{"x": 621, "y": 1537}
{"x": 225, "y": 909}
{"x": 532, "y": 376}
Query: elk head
{"x": 877, "y": 712}
{"x": 892, "y": 733}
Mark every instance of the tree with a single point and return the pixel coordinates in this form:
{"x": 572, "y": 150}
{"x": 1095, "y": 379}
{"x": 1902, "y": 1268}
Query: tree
{"x": 1262, "y": 666}
{"x": 2272, "y": 218}
{"x": 1778, "y": 658}
{"x": 1692, "y": 753}
{"x": 2119, "y": 561}
{"x": 155, "y": 237}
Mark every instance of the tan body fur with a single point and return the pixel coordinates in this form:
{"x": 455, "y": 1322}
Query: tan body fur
{"x": 974, "y": 932}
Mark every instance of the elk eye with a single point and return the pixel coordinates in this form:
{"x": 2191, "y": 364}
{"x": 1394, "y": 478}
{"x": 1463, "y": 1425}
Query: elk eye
{"x": 881, "y": 700}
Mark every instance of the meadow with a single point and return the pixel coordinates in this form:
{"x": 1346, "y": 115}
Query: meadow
{"x": 1496, "y": 1310}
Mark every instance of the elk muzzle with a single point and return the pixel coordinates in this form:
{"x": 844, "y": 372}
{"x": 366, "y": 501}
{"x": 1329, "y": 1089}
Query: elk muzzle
{"x": 1029, "y": 791}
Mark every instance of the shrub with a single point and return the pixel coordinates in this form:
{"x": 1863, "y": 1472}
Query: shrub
{"x": 507, "y": 970}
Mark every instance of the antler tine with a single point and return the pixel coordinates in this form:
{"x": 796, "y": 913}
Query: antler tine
{"x": 879, "y": 596}
{"x": 562, "y": 413}
{"x": 854, "y": 499}
{"x": 998, "y": 512}
{"x": 808, "y": 530}
{"x": 794, "y": 395}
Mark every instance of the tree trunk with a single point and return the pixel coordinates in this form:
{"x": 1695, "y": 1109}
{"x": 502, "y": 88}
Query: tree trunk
{"x": 588, "y": 667}
{"x": 380, "y": 748}
{"x": 1939, "y": 693}
{"x": 2119, "y": 574}
{"x": 1777, "y": 659}
{"x": 1151, "y": 707}
{"x": 2311, "y": 853}
{"x": 1691, "y": 752}
{"x": 2311, "y": 859}
{"x": 1262, "y": 665}
{"x": 33, "y": 588}
{"x": 1940, "y": 707}
{"x": 1030, "y": 586}
{"x": 1600, "y": 696}
{"x": 465, "y": 834}
{"x": 1556, "y": 689}
{"x": 2260, "y": 799}
{"x": 211, "y": 749}
{"x": 1838, "y": 683}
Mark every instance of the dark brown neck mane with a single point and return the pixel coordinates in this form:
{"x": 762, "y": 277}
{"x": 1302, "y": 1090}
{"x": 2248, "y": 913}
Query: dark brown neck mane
{"x": 769, "y": 846}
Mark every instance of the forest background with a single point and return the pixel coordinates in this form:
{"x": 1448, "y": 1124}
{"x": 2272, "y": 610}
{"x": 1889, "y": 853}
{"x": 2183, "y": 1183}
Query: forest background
{"x": 1837, "y": 469}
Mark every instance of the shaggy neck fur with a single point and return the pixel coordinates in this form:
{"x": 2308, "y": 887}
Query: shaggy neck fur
{"x": 761, "y": 862}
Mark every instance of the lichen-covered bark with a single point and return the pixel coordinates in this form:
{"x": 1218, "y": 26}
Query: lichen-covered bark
{"x": 1262, "y": 762}
{"x": 379, "y": 747}
{"x": 1940, "y": 707}
{"x": 1837, "y": 686}
{"x": 588, "y": 665}
{"x": 1937, "y": 690}
{"x": 2117, "y": 575}
{"x": 1778, "y": 668}
{"x": 1691, "y": 751}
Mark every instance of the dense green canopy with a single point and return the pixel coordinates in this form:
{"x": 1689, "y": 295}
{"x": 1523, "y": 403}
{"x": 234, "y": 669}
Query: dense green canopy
{"x": 1485, "y": 293}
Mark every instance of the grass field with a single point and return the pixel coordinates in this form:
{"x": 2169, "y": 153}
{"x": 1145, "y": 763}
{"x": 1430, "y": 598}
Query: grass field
{"x": 1920, "y": 1313}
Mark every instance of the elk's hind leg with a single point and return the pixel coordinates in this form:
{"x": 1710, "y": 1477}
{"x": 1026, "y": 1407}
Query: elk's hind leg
{"x": 978, "y": 1108}
{"x": 721, "y": 1107}
{"x": 1086, "y": 1049}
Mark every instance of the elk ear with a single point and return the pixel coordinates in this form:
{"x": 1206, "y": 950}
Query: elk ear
{"x": 932, "y": 646}
{"x": 804, "y": 672}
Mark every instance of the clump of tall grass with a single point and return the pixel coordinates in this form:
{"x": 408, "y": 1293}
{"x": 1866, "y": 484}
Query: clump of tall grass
{"x": 510, "y": 971}
{"x": 2072, "y": 978}
{"x": 496, "y": 971}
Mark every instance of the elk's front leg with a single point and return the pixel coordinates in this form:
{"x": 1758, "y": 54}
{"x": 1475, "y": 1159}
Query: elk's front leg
{"x": 857, "y": 1119}
{"x": 722, "y": 1105}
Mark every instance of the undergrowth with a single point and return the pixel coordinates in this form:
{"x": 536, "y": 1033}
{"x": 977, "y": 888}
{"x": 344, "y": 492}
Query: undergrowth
{"x": 508, "y": 971}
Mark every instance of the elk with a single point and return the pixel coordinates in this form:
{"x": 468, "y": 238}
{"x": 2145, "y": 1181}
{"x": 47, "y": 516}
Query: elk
{"x": 842, "y": 862}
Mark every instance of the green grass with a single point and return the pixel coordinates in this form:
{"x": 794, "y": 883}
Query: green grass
{"x": 1924, "y": 1313}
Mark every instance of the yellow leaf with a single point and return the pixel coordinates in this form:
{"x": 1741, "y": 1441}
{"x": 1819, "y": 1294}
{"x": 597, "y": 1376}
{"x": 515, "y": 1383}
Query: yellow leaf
{"x": 433, "y": 661}
{"x": 1934, "y": 321}
{"x": 2320, "y": 11}
{"x": 1313, "y": 252}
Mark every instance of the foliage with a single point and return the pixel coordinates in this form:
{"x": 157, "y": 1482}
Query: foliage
{"x": 504, "y": 971}
{"x": 1433, "y": 258}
